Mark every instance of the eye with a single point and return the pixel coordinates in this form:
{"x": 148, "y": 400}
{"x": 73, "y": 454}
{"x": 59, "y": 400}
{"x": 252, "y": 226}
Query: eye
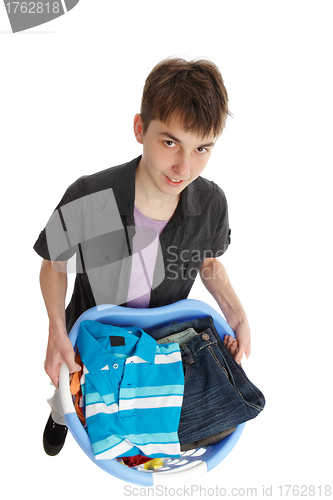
{"x": 202, "y": 150}
{"x": 170, "y": 144}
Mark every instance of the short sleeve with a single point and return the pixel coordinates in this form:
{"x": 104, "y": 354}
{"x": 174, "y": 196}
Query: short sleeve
{"x": 52, "y": 243}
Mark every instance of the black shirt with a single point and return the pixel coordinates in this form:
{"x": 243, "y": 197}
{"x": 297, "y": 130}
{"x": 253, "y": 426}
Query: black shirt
{"x": 94, "y": 224}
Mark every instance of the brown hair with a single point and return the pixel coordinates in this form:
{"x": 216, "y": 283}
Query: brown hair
{"x": 194, "y": 91}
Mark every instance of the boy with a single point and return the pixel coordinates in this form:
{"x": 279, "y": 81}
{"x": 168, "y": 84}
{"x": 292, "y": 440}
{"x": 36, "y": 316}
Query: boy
{"x": 108, "y": 221}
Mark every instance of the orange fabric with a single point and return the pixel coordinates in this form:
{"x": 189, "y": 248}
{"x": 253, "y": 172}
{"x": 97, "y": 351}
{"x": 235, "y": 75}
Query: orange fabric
{"x": 75, "y": 383}
{"x": 76, "y": 391}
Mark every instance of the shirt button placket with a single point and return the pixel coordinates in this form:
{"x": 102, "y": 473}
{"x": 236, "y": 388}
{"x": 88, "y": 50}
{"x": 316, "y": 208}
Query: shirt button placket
{"x": 128, "y": 385}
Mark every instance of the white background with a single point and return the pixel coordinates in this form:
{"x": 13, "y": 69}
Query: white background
{"x": 69, "y": 92}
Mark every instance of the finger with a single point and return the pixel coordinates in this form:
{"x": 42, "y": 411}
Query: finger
{"x": 228, "y": 340}
{"x": 233, "y": 347}
{"x": 239, "y": 356}
{"x": 54, "y": 375}
{"x": 69, "y": 359}
{"x": 241, "y": 352}
{"x": 248, "y": 352}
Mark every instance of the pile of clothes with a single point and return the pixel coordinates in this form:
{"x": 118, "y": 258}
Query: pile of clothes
{"x": 143, "y": 397}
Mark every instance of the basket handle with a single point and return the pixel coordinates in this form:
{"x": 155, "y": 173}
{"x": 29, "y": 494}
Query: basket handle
{"x": 64, "y": 390}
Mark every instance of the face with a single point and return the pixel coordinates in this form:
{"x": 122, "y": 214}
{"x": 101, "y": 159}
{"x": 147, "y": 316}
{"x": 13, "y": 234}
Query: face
{"x": 172, "y": 158}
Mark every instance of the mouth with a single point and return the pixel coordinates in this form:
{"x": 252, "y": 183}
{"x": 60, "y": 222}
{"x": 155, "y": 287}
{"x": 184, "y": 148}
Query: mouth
{"x": 175, "y": 181}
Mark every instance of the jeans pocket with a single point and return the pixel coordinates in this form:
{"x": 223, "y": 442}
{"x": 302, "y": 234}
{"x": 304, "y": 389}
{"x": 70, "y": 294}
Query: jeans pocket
{"x": 218, "y": 360}
{"x": 249, "y": 393}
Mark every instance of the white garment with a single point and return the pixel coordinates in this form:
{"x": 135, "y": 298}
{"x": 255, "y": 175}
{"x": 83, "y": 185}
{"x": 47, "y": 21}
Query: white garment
{"x": 57, "y": 413}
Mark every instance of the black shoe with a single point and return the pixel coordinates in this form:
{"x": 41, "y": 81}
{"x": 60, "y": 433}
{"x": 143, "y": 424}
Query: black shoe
{"x": 54, "y": 437}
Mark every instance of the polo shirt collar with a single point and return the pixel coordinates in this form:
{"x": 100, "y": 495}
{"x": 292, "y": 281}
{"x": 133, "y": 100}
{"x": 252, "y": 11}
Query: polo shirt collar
{"x": 95, "y": 356}
{"x": 145, "y": 347}
{"x": 124, "y": 190}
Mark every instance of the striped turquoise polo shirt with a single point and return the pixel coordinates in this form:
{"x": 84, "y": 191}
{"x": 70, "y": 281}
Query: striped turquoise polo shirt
{"x": 132, "y": 390}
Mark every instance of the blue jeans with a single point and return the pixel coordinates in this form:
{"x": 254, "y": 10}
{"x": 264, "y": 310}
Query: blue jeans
{"x": 218, "y": 395}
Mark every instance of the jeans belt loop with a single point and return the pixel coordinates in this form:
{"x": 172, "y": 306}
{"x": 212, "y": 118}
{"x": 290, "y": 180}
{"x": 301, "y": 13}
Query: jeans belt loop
{"x": 189, "y": 358}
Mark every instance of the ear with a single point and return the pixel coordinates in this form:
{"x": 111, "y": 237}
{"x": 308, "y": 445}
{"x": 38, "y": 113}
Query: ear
{"x": 138, "y": 128}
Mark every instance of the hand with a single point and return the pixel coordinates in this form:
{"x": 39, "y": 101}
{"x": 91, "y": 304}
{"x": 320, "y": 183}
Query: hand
{"x": 59, "y": 349}
{"x": 243, "y": 337}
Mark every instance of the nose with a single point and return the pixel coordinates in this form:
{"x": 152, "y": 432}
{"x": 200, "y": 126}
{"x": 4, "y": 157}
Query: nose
{"x": 183, "y": 166}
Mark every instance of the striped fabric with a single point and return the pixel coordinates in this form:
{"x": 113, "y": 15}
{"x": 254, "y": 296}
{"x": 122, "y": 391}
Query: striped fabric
{"x": 132, "y": 389}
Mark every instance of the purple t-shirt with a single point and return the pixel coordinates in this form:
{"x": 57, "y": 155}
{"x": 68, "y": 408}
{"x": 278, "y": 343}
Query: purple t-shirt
{"x": 145, "y": 247}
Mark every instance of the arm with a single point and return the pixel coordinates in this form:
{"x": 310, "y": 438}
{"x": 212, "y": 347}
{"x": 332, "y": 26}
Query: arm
{"x": 59, "y": 348}
{"x": 215, "y": 279}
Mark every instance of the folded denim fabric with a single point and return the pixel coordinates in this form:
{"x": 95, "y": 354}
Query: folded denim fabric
{"x": 182, "y": 338}
{"x": 218, "y": 395}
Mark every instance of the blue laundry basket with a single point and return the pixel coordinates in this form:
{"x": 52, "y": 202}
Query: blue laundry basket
{"x": 192, "y": 463}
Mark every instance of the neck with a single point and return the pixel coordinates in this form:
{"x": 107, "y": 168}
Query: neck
{"x": 150, "y": 201}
